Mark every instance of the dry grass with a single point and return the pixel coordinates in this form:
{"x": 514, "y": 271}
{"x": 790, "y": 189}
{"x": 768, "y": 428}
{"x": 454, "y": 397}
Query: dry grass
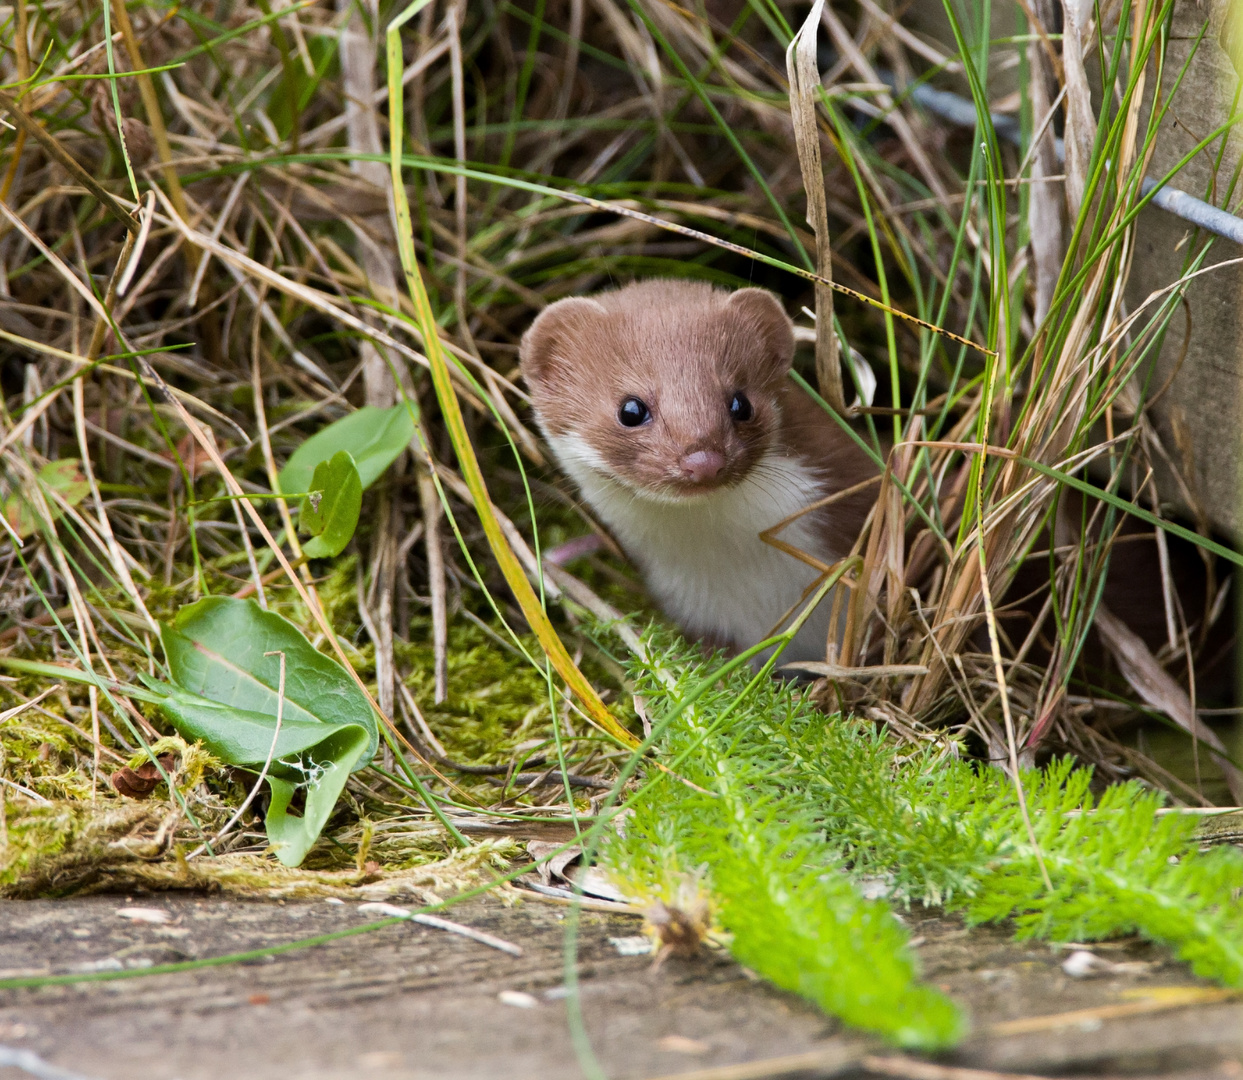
{"x": 249, "y": 269}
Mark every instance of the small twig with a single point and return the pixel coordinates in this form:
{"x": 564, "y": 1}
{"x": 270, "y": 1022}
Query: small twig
{"x": 910, "y": 1069}
{"x": 135, "y": 256}
{"x": 482, "y": 770}
{"x": 467, "y": 932}
{"x": 551, "y": 894}
{"x": 28, "y": 792}
{"x": 424, "y": 733}
{"x": 551, "y": 778}
{"x": 438, "y": 923}
{"x": 429, "y": 499}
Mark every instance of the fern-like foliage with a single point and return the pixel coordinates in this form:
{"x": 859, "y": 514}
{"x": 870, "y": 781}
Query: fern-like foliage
{"x": 784, "y": 811}
{"x": 780, "y": 891}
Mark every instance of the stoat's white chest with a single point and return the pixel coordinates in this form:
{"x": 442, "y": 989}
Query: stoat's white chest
{"x": 703, "y": 559}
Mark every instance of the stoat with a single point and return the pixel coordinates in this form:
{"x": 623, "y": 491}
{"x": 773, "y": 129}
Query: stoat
{"x": 668, "y": 404}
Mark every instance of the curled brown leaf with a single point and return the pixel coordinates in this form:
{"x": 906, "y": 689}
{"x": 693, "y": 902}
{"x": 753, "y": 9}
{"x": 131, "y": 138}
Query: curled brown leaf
{"x": 139, "y": 783}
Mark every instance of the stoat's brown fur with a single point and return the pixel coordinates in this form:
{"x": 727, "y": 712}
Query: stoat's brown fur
{"x": 688, "y": 491}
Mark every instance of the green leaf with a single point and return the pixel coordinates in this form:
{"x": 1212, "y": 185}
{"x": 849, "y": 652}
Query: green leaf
{"x": 65, "y": 478}
{"x": 215, "y": 649}
{"x": 332, "y": 517}
{"x": 373, "y": 437}
{"x": 244, "y": 738}
{"x": 224, "y": 692}
{"x": 308, "y": 754}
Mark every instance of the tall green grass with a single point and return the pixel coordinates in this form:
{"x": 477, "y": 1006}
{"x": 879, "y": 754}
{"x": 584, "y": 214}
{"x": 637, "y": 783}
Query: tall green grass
{"x": 669, "y": 153}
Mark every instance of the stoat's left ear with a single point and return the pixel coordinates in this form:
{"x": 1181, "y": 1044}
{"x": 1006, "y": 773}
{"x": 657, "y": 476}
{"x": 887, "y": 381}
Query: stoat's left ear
{"x": 765, "y": 318}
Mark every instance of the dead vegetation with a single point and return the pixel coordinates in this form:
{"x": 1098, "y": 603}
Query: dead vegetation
{"x": 199, "y": 269}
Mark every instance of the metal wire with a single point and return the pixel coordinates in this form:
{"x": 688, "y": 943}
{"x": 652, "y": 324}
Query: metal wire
{"x": 960, "y": 111}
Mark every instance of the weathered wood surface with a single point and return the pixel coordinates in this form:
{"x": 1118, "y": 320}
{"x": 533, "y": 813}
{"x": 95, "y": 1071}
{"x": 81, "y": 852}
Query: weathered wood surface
{"x": 408, "y": 1002}
{"x": 1200, "y": 417}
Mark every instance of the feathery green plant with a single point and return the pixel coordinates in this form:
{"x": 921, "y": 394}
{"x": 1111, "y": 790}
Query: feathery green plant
{"x": 790, "y": 811}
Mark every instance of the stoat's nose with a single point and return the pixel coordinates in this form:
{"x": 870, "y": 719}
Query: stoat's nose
{"x": 702, "y": 466}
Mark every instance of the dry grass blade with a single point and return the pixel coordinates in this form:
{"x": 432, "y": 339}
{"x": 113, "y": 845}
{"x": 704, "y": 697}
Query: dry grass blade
{"x": 358, "y": 67}
{"x": 34, "y": 129}
{"x": 909, "y": 1069}
{"x": 901, "y": 125}
{"x": 1159, "y": 691}
{"x": 873, "y": 671}
{"x": 1163, "y": 1000}
{"x": 609, "y": 207}
{"x": 804, "y": 78}
{"x": 1046, "y": 214}
{"x": 1080, "y": 120}
{"x": 155, "y": 115}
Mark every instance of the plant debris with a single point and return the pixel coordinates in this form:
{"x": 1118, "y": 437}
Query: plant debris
{"x": 259, "y": 325}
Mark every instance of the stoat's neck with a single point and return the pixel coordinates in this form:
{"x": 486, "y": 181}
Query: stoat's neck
{"x": 703, "y": 558}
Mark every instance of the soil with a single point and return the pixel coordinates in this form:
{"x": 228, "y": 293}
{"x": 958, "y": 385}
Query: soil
{"x": 408, "y": 1001}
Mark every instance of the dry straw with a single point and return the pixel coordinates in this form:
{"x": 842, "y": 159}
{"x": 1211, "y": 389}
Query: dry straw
{"x": 183, "y": 343}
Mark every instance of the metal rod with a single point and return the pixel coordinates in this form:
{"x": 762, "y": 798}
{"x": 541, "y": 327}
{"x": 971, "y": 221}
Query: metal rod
{"x": 960, "y": 111}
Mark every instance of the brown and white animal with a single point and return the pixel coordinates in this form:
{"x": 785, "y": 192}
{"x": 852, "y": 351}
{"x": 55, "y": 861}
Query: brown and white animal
{"x": 668, "y": 404}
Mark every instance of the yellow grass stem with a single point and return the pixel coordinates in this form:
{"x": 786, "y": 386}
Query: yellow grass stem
{"x": 155, "y": 118}
{"x": 451, "y": 412}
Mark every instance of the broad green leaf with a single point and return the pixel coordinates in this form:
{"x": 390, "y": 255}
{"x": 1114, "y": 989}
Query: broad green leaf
{"x": 65, "y": 478}
{"x": 373, "y": 438}
{"x": 332, "y": 522}
{"x": 225, "y": 693}
{"x": 307, "y": 754}
{"x": 215, "y": 648}
{"x": 239, "y": 736}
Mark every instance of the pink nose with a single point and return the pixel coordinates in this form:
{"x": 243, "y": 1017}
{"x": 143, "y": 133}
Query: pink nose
{"x": 702, "y": 466}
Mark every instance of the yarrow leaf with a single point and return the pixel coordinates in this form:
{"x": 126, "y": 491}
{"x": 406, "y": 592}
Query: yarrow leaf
{"x": 801, "y": 808}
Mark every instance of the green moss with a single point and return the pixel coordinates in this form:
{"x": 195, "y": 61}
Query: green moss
{"x": 45, "y": 755}
{"x": 194, "y": 763}
{"x": 338, "y": 592}
{"x": 33, "y": 833}
{"x": 496, "y": 699}
{"x": 58, "y": 848}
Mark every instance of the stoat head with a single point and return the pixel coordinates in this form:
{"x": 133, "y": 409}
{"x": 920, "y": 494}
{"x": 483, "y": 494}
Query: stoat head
{"x": 670, "y": 388}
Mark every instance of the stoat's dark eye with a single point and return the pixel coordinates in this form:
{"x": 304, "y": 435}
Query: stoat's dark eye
{"x": 633, "y": 412}
{"x": 740, "y": 408}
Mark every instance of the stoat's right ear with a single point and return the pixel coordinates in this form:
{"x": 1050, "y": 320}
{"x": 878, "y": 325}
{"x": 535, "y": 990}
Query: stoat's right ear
{"x": 555, "y": 336}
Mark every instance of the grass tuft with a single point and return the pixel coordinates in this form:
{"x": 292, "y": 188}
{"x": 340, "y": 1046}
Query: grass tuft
{"x": 226, "y": 234}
